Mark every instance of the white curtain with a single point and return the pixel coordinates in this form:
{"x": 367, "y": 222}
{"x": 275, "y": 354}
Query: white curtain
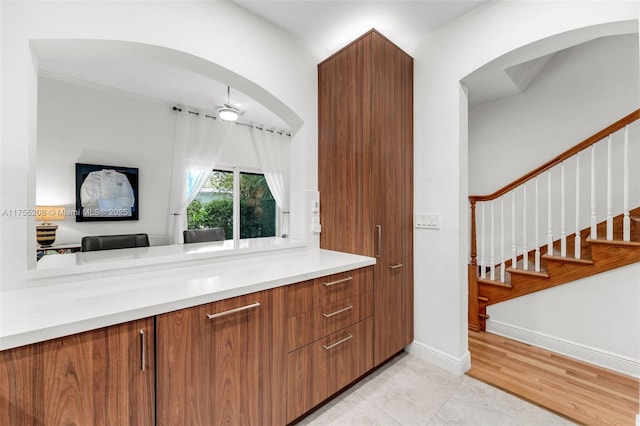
{"x": 272, "y": 150}
{"x": 198, "y": 144}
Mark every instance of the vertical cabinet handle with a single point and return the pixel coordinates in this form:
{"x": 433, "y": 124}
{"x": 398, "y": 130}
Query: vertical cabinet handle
{"x": 143, "y": 355}
{"x": 379, "y": 254}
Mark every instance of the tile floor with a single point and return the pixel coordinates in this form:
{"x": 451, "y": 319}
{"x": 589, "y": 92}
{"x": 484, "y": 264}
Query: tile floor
{"x": 410, "y": 391}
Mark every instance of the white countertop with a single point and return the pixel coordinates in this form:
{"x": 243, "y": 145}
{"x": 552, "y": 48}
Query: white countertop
{"x": 155, "y": 256}
{"x": 45, "y": 312}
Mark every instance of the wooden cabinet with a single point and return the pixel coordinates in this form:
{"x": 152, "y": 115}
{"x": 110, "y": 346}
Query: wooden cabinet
{"x": 263, "y": 358}
{"x": 365, "y": 164}
{"x": 100, "y": 377}
{"x": 223, "y": 362}
{"x": 329, "y": 335}
{"x": 317, "y": 371}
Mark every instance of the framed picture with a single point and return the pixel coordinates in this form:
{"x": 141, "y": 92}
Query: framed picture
{"x": 105, "y": 193}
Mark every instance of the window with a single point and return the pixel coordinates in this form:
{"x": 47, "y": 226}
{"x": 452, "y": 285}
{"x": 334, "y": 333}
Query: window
{"x": 218, "y": 206}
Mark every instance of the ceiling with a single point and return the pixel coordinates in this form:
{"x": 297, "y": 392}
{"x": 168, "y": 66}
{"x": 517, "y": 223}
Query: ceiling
{"x": 325, "y": 26}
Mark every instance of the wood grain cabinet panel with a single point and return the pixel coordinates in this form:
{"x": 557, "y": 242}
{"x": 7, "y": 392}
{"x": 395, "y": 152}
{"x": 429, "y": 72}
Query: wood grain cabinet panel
{"x": 336, "y": 287}
{"x": 223, "y": 363}
{"x": 322, "y": 368}
{"x": 365, "y": 173}
{"x": 393, "y": 325}
{"x": 21, "y": 386}
{"x": 313, "y": 294}
{"x": 312, "y": 325}
{"x": 100, "y": 377}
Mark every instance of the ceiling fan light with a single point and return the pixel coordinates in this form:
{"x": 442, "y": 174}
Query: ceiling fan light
{"x": 227, "y": 113}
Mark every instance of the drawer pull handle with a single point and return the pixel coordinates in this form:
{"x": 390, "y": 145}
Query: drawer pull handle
{"x": 233, "y": 311}
{"x": 338, "y": 311}
{"x": 143, "y": 355}
{"x": 399, "y": 265}
{"x": 329, "y": 284}
{"x": 339, "y": 342}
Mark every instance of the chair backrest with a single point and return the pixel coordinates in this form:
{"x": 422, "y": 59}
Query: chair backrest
{"x": 111, "y": 242}
{"x": 202, "y": 235}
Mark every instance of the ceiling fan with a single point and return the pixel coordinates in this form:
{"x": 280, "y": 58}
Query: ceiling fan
{"x": 228, "y": 112}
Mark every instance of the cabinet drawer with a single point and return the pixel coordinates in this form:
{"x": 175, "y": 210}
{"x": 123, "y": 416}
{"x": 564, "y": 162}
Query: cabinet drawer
{"x": 312, "y": 325}
{"x": 320, "y": 369}
{"x": 312, "y": 294}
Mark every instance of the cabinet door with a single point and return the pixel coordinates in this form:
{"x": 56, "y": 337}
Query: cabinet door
{"x": 393, "y": 207}
{"x": 344, "y": 149}
{"x": 222, "y": 363}
{"x": 322, "y": 368}
{"x": 393, "y": 309}
{"x": 21, "y": 387}
{"x": 392, "y": 139}
{"x": 101, "y": 377}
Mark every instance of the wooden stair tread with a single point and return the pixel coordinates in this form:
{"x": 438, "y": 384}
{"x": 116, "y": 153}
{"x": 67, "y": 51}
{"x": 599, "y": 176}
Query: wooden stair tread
{"x": 556, "y": 257}
{"x": 506, "y": 284}
{"x": 614, "y": 242}
{"x": 542, "y": 274}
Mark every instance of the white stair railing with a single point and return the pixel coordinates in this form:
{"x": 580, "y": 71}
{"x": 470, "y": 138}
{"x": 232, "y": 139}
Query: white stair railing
{"x": 605, "y": 174}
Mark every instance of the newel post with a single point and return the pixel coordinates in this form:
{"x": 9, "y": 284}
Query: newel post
{"x": 474, "y": 250}
{"x": 473, "y": 308}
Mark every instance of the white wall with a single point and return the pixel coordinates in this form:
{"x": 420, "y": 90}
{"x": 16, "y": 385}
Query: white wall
{"x": 441, "y": 174}
{"x": 264, "y": 60}
{"x": 581, "y": 90}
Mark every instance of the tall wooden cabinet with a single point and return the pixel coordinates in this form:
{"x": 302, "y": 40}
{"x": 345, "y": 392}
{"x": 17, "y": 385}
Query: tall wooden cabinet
{"x": 365, "y": 166}
{"x": 100, "y": 377}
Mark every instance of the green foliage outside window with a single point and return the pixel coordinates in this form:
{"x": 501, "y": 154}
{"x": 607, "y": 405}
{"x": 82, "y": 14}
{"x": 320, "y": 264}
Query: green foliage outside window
{"x": 211, "y": 214}
{"x": 257, "y": 206}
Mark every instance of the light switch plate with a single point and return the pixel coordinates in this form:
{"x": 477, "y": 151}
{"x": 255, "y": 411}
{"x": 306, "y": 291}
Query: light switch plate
{"x": 315, "y": 206}
{"x": 428, "y": 220}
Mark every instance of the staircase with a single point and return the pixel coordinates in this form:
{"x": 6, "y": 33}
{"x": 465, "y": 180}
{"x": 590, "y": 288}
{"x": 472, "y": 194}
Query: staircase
{"x": 601, "y": 241}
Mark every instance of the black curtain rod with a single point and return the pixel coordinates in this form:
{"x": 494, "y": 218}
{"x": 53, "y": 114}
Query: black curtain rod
{"x": 175, "y": 108}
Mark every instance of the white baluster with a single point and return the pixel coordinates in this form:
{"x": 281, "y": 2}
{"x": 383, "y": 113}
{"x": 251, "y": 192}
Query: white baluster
{"x": 549, "y": 221}
{"x": 626, "y": 221}
{"x": 525, "y": 253}
{"x": 609, "y": 191}
{"x": 578, "y": 240}
{"x": 514, "y": 249}
{"x": 594, "y": 220}
{"x": 502, "y": 265}
{"x": 492, "y": 260}
{"x": 537, "y": 240}
{"x": 483, "y": 272}
{"x": 563, "y": 227}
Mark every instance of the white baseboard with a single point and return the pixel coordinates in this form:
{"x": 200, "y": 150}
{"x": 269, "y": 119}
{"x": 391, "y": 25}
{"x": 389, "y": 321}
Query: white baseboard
{"x": 602, "y": 358}
{"x": 448, "y": 362}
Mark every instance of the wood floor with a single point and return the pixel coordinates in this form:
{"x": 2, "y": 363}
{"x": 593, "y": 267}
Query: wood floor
{"x": 581, "y": 392}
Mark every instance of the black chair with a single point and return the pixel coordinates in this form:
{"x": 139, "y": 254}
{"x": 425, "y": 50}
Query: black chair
{"x": 111, "y": 242}
{"x": 203, "y": 235}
